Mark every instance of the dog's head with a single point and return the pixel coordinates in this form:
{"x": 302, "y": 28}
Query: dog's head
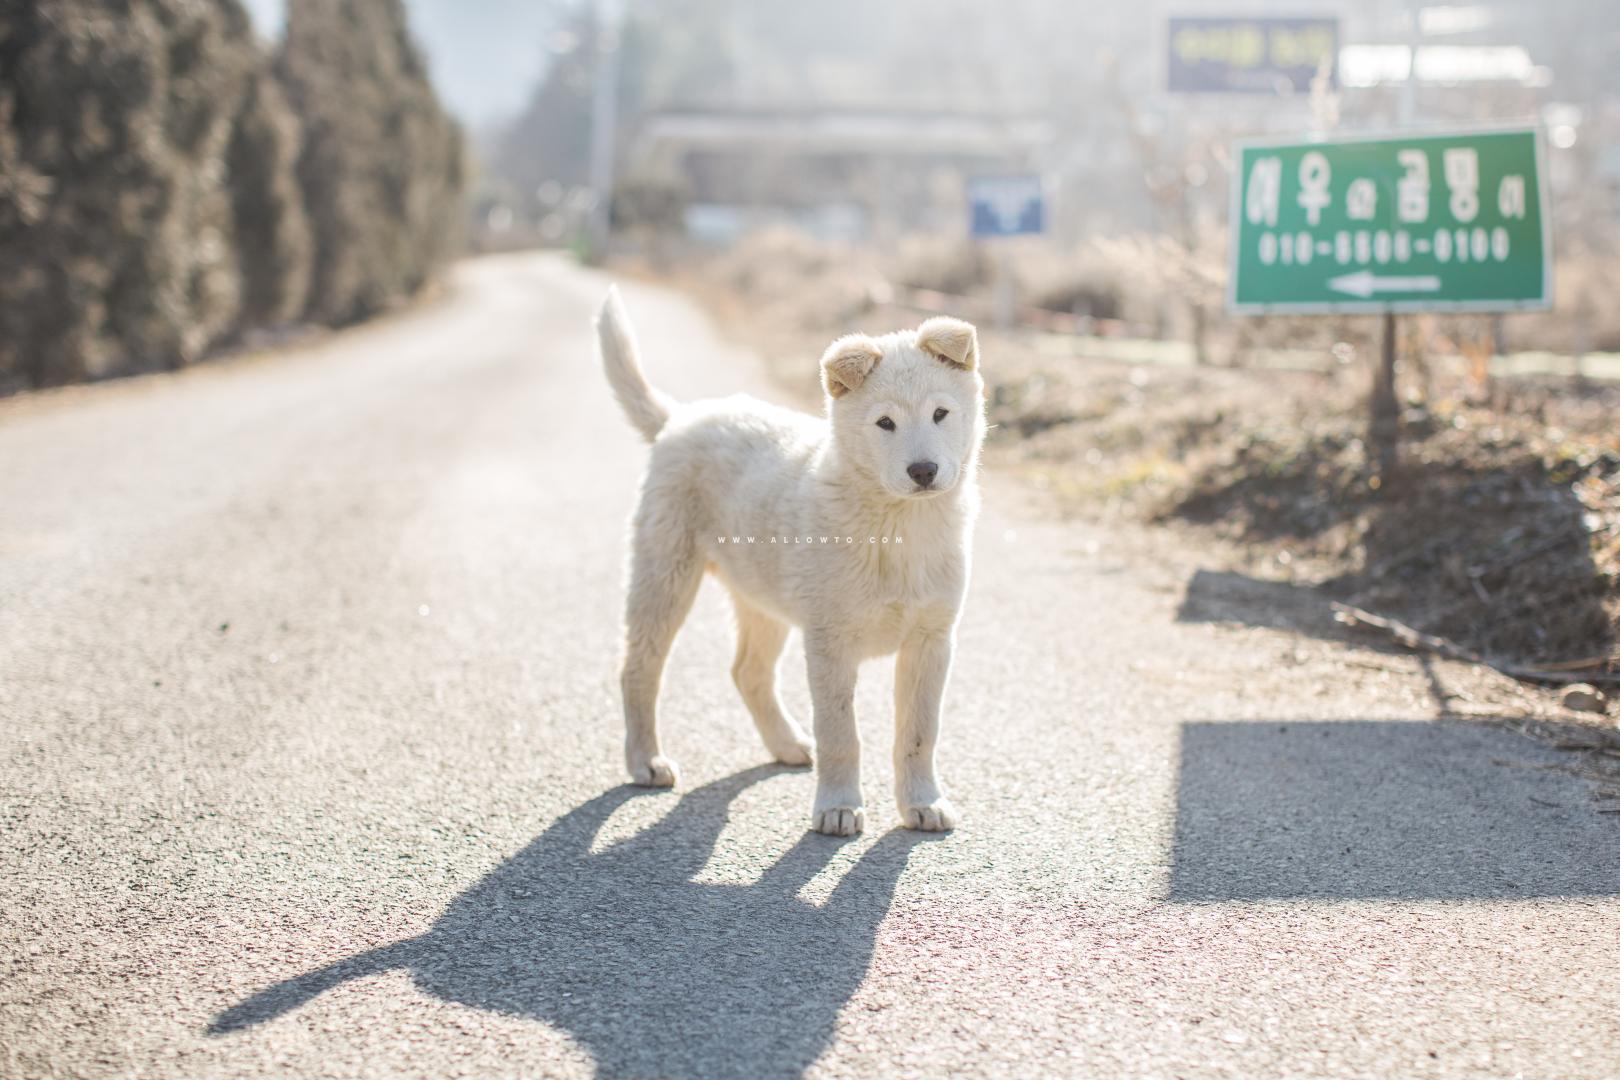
{"x": 907, "y": 409}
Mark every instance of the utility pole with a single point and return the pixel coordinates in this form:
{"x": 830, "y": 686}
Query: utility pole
{"x": 604, "y": 125}
{"x": 1407, "y": 105}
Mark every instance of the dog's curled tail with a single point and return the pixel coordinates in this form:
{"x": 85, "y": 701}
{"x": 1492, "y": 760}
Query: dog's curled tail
{"x": 648, "y": 409}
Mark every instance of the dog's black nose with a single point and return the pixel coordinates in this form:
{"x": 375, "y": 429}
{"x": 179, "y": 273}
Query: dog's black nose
{"x": 923, "y": 472}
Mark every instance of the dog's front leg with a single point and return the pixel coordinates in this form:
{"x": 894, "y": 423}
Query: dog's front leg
{"x": 920, "y": 673}
{"x": 832, "y": 670}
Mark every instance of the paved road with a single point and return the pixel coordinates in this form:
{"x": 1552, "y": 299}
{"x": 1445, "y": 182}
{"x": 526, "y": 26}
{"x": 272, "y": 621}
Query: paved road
{"x": 311, "y": 766}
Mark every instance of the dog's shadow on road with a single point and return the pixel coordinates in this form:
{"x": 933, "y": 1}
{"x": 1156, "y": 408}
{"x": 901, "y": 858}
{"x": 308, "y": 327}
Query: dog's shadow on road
{"x": 653, "y": 973}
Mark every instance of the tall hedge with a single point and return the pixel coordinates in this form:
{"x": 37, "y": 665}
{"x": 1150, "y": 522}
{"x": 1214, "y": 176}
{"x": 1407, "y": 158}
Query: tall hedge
{"x": 272, "y": 230}
{"x": 381, "y": 168}
{"x": 118, "y": 224}
{"x": 166, "y": 185}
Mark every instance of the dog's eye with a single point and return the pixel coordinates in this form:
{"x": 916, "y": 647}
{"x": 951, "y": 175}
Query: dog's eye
{"x": 940, "y": 414}
{"x": 885, "y": 423}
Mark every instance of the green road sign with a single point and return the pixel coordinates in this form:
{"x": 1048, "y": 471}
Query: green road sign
{"x": 1454, "y": 221}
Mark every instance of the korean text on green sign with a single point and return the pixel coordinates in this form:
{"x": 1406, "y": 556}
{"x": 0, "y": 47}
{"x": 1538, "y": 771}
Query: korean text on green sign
{"x": 1433, "y": 222}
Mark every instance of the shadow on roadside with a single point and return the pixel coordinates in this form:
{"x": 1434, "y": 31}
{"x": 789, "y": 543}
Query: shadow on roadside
{"x": 1408, "y": 810}
{"x": 1488, "y": 544}
{"x": 1216, "y": 596}
{"x": 653, "y": 973}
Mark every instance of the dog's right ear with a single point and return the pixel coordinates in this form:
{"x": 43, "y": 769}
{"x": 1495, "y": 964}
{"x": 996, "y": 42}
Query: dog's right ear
{"x": 847, "y": 362}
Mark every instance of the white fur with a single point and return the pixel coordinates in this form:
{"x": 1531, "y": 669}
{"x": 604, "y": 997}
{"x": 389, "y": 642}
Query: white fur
{"x": 829, "y": 491}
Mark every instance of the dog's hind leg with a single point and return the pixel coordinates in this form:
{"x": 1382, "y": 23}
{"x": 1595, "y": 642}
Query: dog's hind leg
{"x": 760, "y": 640}
{"x": 665, "y": 572}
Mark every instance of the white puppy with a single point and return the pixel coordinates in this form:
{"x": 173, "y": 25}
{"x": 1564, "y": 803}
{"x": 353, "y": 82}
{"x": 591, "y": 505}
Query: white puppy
{"x": 856, "y": 528}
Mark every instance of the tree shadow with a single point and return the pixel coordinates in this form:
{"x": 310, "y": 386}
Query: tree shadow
{"x": 655, "y": 974}
{"x": 1413, "y": 810}
{"x": 1488, "y": 546}
{"x": 1217, "y": 596}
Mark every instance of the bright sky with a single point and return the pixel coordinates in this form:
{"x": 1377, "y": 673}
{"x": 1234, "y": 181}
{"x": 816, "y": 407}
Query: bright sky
{"x": 486, "y": 57}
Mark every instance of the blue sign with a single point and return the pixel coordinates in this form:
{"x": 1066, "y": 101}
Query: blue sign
{"x": 1006, "y": 205}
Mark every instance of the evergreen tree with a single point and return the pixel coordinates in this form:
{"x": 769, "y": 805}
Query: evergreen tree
{"x": 381, "y": 168}
{"x": 118, "y": 227}
{"x": 272, "y": 231}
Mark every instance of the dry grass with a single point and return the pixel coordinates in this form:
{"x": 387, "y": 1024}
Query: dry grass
{"x": 1501, "y": 531}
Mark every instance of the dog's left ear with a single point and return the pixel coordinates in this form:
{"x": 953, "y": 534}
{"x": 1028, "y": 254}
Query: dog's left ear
{"x": 950, "y": 340}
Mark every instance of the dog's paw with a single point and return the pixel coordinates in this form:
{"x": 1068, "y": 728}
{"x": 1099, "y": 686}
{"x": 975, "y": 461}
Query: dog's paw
{"x": 654, "y": 772}
{"x": 799, "y": 752}
{"x": 839, "y": 820}
{"x": 937, "y": 816}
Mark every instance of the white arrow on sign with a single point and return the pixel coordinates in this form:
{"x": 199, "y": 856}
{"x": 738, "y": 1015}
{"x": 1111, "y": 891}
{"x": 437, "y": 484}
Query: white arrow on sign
{"x": 1365, "y": 283}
